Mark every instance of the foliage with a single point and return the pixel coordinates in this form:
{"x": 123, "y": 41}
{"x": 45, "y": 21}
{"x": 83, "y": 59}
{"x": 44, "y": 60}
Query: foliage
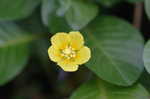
{"x": 147, "y": 7}
{"x": 118, "y": 54}
{"x": 108, "y": 91}
{"x": 112, "y": 46}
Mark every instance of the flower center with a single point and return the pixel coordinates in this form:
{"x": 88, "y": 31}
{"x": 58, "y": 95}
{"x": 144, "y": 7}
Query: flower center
{"x": 68, "y": 52}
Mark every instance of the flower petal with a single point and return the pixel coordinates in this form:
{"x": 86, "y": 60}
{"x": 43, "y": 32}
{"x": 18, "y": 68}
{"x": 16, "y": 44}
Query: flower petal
{"x": 54, "y": 54}
{"x": 68, "y": 67}
{"x": 60, "y": 40}
{"x": 83, "y": 55}
{"x": 77, "y": 40}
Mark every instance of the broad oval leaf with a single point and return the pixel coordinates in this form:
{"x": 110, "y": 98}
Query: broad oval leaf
{"x": 146, "y": 56}
{"x": 117, "y": 50}
{"x": 98, "y": 89}
{"x": 147, "y": 7}
{"x": 13, "y": 51}
{"x": 16, "y": 9}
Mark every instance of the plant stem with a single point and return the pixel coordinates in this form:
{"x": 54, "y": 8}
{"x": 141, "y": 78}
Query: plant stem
{"x": 137, "y": 17}
{"x": 62, "y": 75}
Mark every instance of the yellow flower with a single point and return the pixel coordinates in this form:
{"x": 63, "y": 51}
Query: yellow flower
{"x": 68, "y": 50}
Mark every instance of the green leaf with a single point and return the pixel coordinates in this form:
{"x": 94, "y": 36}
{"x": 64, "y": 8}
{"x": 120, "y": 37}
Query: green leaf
{"x": 61, "y": 25}
{"x": 146, "y": 56}
{"x": 41, "y": 52}
{"x": 64, "y": 6}
{"x": 13, "y": 51}
{"x": 50, "y": 17}
{"x": 117, "y": 50}
{"x": 48, "y": 8}
{"x": 80, "y": 13}
{"x": 134, "y": 1}
{"x": 145, "y": 79}
{"x": 98, "y": 89}
{"x": 147, "y": 7}
{"x": 16, "y": 9}
{"x": 108, "y": 3}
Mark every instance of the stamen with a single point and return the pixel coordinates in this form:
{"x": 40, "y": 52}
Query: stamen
{"x": 68, "y": 52}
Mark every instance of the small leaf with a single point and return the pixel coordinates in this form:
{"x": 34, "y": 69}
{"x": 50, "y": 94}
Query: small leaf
{"x": 146, "y": 56}
{"x": 14, "y": 51}
{"x": 117, "y": 50}
{"x": 61, "y": 25}
{"x": 98, "y": 89}
{"x": 50, "y": 17}
{"x": 48, "y": 8}
{"x": 79, "y": 14}
{"x": 64, "y": 7}
{"x": 16, "y": 9}
{"x": 108, "y": 3}
{"x": 147, "y": 7}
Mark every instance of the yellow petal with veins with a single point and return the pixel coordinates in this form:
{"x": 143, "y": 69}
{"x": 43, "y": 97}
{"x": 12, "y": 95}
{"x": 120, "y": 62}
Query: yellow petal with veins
{"x": 76, "y": 40}
{"x": 60, "y": 40}
{"x": 68, "y": 50}
{"x": 54, "y": 54}
{"x": 83, "y": 55}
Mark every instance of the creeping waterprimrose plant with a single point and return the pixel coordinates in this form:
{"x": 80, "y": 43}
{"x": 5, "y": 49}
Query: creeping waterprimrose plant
{"x": 74, "y": 49}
